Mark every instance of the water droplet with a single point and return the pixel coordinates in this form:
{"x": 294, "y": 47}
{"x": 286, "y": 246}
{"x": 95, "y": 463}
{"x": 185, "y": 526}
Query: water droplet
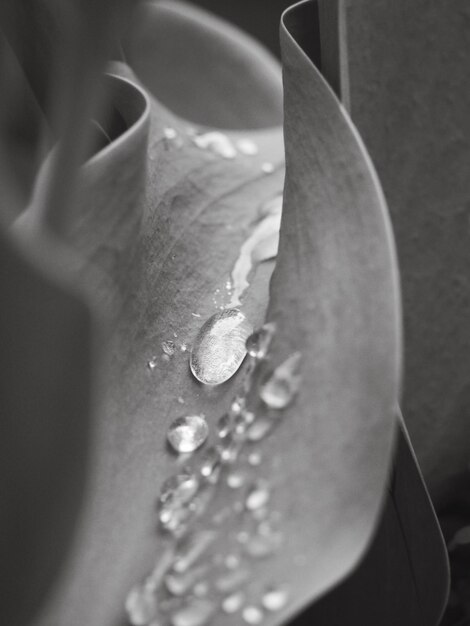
{"x": 168, "y": 347}
{"x": 258, "y": 343}
{"x": 224, "y": 425}
{"x": 262, "y": 545}
{"x": 247, "y": 147}
{"x": 235, "y": 480}
{"x": 229, "y": 450}
{"x": 252, "y": 615}
{"x": 255, "y": 458}
{"x": 275, "y": 599}
{"x": 184, "y": 347}
{"x": 141, "y": 605}
{"x": 279, "y": 391}
{"x": 259, "y": 429}
{"x": 217, "y": 142}
{"x": 232, "y": 580}
{"x": 173, "y": 504}
{"x": 232, "y": 561}
{"x": 179, "y": 584}
{"x": 201, "y": 589}
{"x": 195, "y": 548}
{"x": 243, "y": 537}
{"x": 170, "y": 133}
{"x": 219, "y": 347}
{"x": 261, "y": 245}
{"x": 187, "y": 434}
{"x": 196, "y": 612}
{"x": 152, "y": 363}
{"x": 180, "y": 400}
{"x": 165, "y": 358}
{"x": 267, "y": 168}
{"x": 233, "y": 603}
{"x": 237, "y": 406}
{"x": 210, "y": 464}
{"x": 258, "y": 497}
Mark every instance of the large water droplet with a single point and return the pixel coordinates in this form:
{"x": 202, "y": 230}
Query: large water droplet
{"x": 252, "y": 615}
{"x": 141, "y": 605}
{"x": 280, "y": 389}
{"x": 196, "y": 612}
{"x": 219, "y": 347}
{"x": 233, "y": 602}
{"x": 257, "y": 497}
{"x": 275, "y": 599}
{"x": 258, "y": 343}
{"x": 187, "y": 434}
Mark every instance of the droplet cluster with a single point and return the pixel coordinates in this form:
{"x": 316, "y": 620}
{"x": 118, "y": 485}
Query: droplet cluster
{"x": 204, "y": 570}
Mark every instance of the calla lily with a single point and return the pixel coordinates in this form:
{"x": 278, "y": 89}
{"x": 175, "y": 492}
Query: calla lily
{"x": 154, "y": 253}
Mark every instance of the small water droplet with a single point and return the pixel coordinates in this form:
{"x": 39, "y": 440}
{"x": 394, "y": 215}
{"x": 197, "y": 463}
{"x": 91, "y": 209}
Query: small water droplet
{"x": 258, "y": 343}
{"x": 259, "y": 429}
{"x": 262, "y": 545}
{"x": 219, "y": 347}
{"x": 196, "y": 314}
{"x": 229, "y": 450}
{"x": 235, "y": 480}
{"x": 267, "y": 168}
{"x": 141, "y": 605}
{"x": 252, "y": 615}
{"x": 210, "y": 464}
{"x": 195, "y": 548}
{"x": 165, "y": 358}
{"x": 179, "y": 584}
{"x": 170, "y": 133}
{"x": 184, "y": 347}
{"x": 232, "y": 561}
{"x": 232, "y": 580}
{"x": 173, "y": 505}
{"x": 168, "y": 347}
{"x": 281, "y": 388}
{"x": 237, "y": 406}
{"x": 180, "y": 400}
{"x": 224, "y": 425}
{"x": 275, "y": 599}
{"x": 243, "y": 537}
{"x": 187, "y": 434}
{"x": 233, "y": 602}
{"x": 201, "y": 589}
{"x": 257, "y": 497}
{"x": 152, "y": 363}
{"x": 217, "y": 142}
{"x": 255, "y": 458}
{"x": 247, "y": 147}
{"x": 196, "y": 612}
